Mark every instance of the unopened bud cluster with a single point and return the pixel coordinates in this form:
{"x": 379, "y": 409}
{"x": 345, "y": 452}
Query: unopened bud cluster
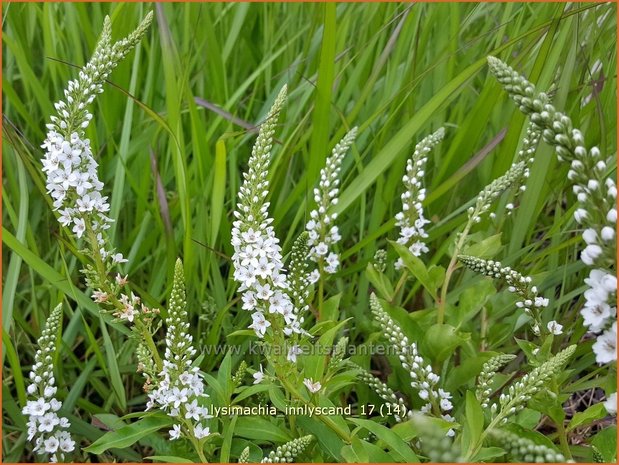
{"x": 399, "y": 409}
{"x": 521, "y": 391}
{"x": 289, "y": 451}
{"x": 487, "y": 375}
{"x": 180, "y": 386}
{"x": 524, "y": 450}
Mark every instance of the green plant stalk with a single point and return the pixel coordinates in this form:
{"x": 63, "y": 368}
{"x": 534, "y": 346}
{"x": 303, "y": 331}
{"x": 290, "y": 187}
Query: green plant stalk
{"x": 440, "y": 314}
{"x": 321, "y": 289}
{"x": 399, "y": 285}
{"x": 283, "y": 371}
{"x": 141, "y": 329}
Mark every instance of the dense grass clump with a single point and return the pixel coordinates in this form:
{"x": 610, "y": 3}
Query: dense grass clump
{"x": 397, "y": 225}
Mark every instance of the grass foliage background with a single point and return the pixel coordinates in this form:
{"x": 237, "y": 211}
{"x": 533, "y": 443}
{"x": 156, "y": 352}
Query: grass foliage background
{"x": 175, "y": 127}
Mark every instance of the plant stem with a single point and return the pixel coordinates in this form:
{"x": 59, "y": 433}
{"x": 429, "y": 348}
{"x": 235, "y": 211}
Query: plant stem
{"x": 440, "y": 314}
{"x": 105, "y": 287}
{"x": 400, "y": 284}
{"x": 320, "y": 289}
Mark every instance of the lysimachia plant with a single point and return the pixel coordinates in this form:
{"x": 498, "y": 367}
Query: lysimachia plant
{"x": 305, "y": 384}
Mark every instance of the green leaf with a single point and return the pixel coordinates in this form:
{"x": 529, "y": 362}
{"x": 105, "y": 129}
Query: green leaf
{"x": 592, "y": 413}
{"x": 441, "y": 340}
{"x": 391, "y": 439}
{"x": 381, "y": 283}
{"x": 167, "y": 459}
{"x": 474, "y": 422}
{"x": 331, "y": 308}
{"x": 260, "y": 429}
{"x": 328, "y": 440}
{"x": 487, "y": 453}
{"x": 487, "y": 248}
{"x": 130, "y": 434}
{"x": 606, "y": 442}
{"x": 416, "y": 267}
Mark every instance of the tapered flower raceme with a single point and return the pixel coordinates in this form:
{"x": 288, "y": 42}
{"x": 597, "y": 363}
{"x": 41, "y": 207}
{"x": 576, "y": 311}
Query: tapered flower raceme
{"x": 71, "y": 170}
{"x": 46, "y": 428}
{"x": 257, "y": 259}
{"x": 180, "y": 387}
{"x": 529, "y": 299}
{"x": 596, "y": 194}
{"x": 523, "y": 449}
{"x": 423, "y": 379}
{"x": 521, "y": 391}
{"x": 386, "y": 393}
{"x": 73, "y": 181}
{"x": 411, "y": 220}
{"x": 322, "y": 230}
{"x": 487, "y": 375}
{"x": 289, "y": 451}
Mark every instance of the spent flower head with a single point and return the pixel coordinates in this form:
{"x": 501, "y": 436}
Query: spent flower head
{"x": 46, "y": 428}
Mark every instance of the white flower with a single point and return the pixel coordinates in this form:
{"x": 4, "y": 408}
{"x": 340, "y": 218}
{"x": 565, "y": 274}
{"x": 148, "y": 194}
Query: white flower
{"x": 259, "y": 324}
{"x": 611, "y": 404}
{"x": 201, "y": 432}
{"x": 175, "y": 432}
{"x": 605, "y": 348}
{"x": 596, "y": 315}
{"x": 258, "y": 376}
{"x": 312, "y": 386}
{"x": 192, "y": 410}
{"x": 51, "y": 445}
{"x": 79, "y": 227}
{"x": 293, "y": 352}
{"x": 48, "y": 421}
{"x": 555, "y": 328}
{"x": 323, "y": 234}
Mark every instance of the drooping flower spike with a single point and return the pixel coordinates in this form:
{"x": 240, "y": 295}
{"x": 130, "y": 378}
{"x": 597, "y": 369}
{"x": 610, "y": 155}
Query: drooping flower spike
{"x": 257, "y": 259}
{"x": 46, "y": 428}
{"x": 411, "y": 220}
{"x": 322, "y": 230}
{"x": 529, "y": 299}
{"x": 514, "y": 176}
{"x": 596, "y": 194}
{"x": 423, "y": 378}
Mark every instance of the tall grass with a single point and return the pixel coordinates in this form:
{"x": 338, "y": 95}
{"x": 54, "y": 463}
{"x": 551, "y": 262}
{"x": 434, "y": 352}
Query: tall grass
{"x": 175, "y": 132}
